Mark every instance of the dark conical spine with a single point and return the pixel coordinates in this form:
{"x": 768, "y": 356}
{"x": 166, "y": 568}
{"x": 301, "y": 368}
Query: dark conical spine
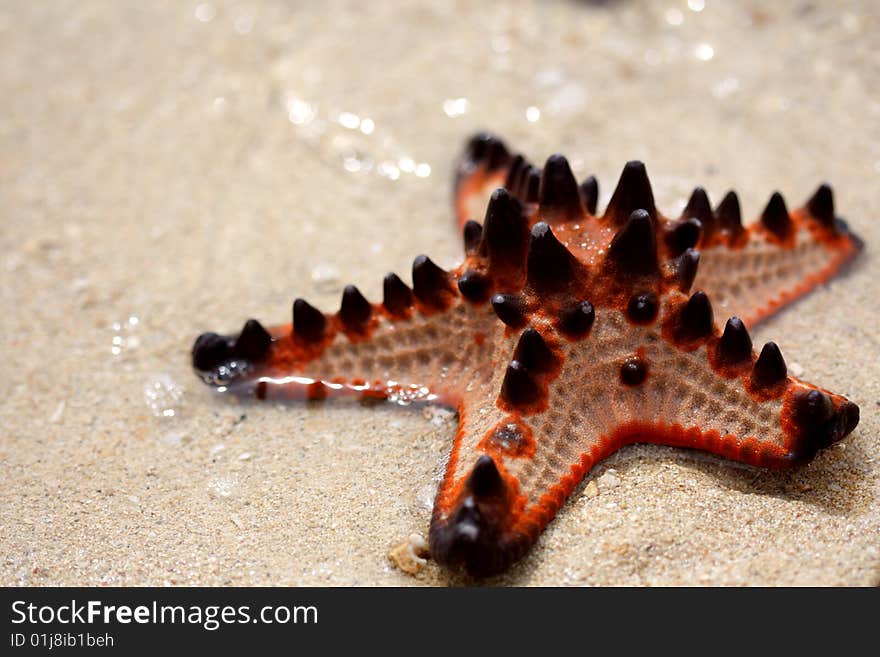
{"x": 633, "y": 371}
{"x": 474, "y": 286}
{"x": 431, "y": 284}
{"x": 729, "y": 214}
{"x": 589, "y": 190}
{"x": 478, "y": 146}
{"x": 505, "y": 231}
{"x": 686, "y": 267}
{"x": 532, "y": 185}
{"x": 642, "y": 307}
{"x": 519, "y": 184}
{"x": 354, "y": 310}
{"x": 697, "y": 319}
{"x": 699, "y": 208}
{"x": 532, "y": 351}
{"x": 485, "y": 148}
{"x": 473, "y": 234}
{"x": 509, "y": 309}
{"x": 498, "y": 155}
{"x": 818, "y": 423}
{"x": 683, "y": 235}
{"x": 210, "y": 350}
{"x": 396, "y": 295}
{"x": 513, "y": 174}
{"x": 550, "y": 265}
{"x": 821, "y": 205}
{"x": 558, "y": 193}
{"x": 464, "y": 533}
{"x": 253, "y": 342}
{"x": 519, "y": 387}
{"x": 775, "y": 217}
{"x": 814, "y": 407}
{"x": 634, "y": 248}
{"x": 735, "y": 344}
{"x": 309, "y": 323}
{"x": 577, "y": 320}
{"x": 770, "y": 367}
{"x": 485, "y": 480}
{"x": 633, "y": 193}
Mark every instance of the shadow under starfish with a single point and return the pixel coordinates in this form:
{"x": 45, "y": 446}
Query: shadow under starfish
{"x": 564, "y": 336}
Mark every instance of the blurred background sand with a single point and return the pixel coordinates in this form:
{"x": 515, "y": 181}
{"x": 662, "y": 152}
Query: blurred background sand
{"x": 170, "y": 168}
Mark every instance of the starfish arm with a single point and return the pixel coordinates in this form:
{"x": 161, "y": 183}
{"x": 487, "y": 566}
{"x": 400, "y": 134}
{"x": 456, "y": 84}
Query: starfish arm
{"x": 406, "y": 349}
{"x": 750, "y": 271}
{"x": 622, "y": 384}
{"x": 481, "y": 168}
{"x": 757, "y": 273}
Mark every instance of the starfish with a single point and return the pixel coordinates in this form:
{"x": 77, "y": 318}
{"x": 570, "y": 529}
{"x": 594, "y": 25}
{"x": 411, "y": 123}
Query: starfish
{"x": 563, "y": 336}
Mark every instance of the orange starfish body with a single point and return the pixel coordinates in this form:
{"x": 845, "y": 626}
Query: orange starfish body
{"x": 565, "y": 335}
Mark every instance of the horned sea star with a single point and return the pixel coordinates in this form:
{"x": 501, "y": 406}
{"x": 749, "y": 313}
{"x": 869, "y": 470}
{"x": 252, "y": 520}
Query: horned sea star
{"x": 565, "y": 335}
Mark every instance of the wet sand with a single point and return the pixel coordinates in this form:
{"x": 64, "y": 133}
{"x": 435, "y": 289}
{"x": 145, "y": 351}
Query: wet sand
{"x": 173, "y": 168}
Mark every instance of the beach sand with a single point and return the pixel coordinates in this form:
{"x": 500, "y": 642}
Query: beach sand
{"x": 172, "y": 168}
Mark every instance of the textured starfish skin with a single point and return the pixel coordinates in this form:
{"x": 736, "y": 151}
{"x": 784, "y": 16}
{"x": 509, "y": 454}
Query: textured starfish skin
{"x": 561, "y": 338}
{"x": 749, "y": 271}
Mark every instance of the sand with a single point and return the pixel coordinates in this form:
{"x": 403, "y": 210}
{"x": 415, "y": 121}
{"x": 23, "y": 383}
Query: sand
{"x": 171, "y": 168}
